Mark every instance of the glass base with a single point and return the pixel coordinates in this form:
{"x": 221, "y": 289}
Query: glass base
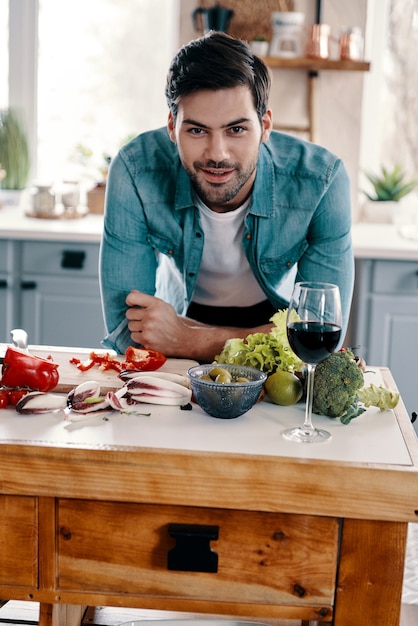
{"x": 306, "y": 435}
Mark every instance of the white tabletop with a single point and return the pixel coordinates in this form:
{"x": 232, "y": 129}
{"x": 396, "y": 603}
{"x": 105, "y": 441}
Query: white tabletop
{"x": 374, "y": 437}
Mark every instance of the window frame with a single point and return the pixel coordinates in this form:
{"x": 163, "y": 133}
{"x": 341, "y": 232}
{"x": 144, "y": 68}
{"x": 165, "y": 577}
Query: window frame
{"x": 23, "y": 66}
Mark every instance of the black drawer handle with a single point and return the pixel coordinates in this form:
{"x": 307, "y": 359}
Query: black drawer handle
{"x": 192, "y": 552}
{"x": 73, "y": 259}
{"x": 28, "y": 285}
{"x": 3, "y": 283}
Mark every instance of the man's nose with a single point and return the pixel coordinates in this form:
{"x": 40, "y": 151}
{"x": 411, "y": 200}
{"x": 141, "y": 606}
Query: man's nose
{"x": 217, "y": 148}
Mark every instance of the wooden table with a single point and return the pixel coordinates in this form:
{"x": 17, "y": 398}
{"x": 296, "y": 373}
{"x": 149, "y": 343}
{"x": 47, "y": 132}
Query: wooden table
{"x": 178, "y": 511}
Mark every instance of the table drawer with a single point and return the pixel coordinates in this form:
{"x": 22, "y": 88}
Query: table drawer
{"x": 60, "y": 258}
{"x": 395, "y": 277}
{"x": 18, "y": 541}
{"x": 266, "y": 558}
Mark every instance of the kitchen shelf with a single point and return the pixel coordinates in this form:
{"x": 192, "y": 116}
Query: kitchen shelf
{"x": 316, "y": 65}
{"x": 312, "y": 68}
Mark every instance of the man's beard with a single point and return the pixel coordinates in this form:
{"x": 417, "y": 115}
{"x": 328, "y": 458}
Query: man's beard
{"x": 222, "y": 193}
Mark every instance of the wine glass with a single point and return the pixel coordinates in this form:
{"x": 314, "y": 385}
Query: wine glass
{"x": 313, "y": 330}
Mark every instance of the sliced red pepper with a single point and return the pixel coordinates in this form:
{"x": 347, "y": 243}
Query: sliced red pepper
{"x": 16, "y": 394}
{"x": 4, "y": 398}
{"x": 138, "y": 359}
{"x": 21, "y": 369}
{"x": 83, "y": 366}
{"x": 143, "y": 359}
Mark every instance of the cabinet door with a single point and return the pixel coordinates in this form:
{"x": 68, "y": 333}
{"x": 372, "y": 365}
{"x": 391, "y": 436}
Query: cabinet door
{"x": 7, "y": 293}
{"x": 393, "y": 342}
{"x": 18, "y": 541}
{"x": 62, "y": 311}
{"x": 60, "y": 296}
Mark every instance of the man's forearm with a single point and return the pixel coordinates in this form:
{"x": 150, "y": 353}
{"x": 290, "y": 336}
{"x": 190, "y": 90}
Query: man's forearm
{"x": 204, "y": 342}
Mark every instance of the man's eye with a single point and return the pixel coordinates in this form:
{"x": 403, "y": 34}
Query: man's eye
{"x": 196, "y": 131}
{"x": 236, "y": 130}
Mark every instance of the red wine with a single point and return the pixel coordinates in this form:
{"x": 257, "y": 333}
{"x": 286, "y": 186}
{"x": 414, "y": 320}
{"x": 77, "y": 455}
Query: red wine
{"x": 312, "y": 341}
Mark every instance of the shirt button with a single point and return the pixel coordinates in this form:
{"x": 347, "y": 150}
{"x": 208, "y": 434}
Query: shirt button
{"x": 170, "y": 251}
{"x": 288, "y": 264}
{"x": 248, "y": 236}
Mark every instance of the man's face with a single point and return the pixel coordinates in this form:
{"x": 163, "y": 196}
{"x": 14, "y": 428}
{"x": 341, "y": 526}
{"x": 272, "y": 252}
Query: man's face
{"x": 218, "y": 135}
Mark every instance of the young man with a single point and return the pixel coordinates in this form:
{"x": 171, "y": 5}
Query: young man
{"x": 209, "y": 219}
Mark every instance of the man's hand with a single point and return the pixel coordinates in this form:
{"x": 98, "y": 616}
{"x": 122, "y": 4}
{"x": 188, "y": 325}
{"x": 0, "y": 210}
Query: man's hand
{"x": 155, "y": 324}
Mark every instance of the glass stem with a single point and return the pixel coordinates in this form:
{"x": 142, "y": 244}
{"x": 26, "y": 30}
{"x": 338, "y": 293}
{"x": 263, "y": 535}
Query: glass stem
{"x": 309, "y": 397}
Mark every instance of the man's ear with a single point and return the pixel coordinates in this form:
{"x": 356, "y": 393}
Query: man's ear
{"x": 267, "y": 125}
{"x": 171, "y": 127}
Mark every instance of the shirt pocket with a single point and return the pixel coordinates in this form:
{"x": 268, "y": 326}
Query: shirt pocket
{"x": 281, "y": 263}
{"x": 166, "y": 245}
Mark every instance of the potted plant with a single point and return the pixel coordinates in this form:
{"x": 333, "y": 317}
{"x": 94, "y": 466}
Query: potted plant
{"x": 14, "y": 155}
{"x": 389, "y": 187}
{"x": 260, "y": 45}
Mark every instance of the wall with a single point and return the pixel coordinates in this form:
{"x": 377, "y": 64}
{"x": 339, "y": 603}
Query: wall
{"x": 339, "y": 94}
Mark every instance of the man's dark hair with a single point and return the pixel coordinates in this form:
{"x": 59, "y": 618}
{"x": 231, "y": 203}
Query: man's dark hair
{"x": 217, "y": 61}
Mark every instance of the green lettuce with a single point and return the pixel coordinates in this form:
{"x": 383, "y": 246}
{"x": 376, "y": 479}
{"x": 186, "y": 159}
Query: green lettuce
{"x": 267, "y": 352}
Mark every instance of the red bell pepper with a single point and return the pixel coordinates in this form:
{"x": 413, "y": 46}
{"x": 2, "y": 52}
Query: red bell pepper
{"x": 21, "y": 369}
{"x": 143, "y": 359}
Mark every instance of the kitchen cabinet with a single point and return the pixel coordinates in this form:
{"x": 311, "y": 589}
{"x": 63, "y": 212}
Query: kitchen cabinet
{"x": 53, "y": 293}
{"x": 7, "y": 282}
{"x": 386, "y": 307}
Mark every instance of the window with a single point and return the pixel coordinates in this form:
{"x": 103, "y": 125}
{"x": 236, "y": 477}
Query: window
{"x": 391, "y": 96}
{"x": 4, "y": 53}
{"x": 101, "y": 68}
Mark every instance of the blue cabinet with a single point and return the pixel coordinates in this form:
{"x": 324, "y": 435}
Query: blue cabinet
{"x": 385, "y": 310}
{"x": 8, "y": 279}
{"x": 55, "y": 295}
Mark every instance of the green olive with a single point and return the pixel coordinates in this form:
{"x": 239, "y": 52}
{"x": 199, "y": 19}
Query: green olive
{"x": 215, "y": 372}
{"x": 205, "y": 377}
{"x": 242, "y": 379}
{"x": 223, "y": 378}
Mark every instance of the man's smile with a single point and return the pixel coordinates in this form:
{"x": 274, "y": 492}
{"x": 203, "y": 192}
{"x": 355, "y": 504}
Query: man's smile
{"x": 215, "y": 175}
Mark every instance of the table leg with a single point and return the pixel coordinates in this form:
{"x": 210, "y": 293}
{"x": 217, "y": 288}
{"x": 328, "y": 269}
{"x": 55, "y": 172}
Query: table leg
{"x": 370, "y": 576}
{"x": 60, "y": 614}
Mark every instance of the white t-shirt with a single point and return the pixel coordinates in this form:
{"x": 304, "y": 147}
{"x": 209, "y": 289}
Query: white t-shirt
{"x": 225, "y": 277}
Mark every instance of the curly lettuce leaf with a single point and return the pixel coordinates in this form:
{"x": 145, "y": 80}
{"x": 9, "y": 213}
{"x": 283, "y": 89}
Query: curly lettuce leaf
{"x": 267, "y": 352}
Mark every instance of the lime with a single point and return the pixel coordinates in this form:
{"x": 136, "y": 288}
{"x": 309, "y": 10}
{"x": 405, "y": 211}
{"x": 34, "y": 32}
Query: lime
{"x": 284, "y": 388}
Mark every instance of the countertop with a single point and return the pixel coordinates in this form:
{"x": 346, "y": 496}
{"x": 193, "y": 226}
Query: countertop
{"x": 14, "y": 224}
{"x": 382, "y": 241}
{"x": 371, "y": 241}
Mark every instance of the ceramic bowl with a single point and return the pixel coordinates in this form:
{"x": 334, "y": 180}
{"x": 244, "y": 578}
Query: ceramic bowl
{"x": 226, "y": 400}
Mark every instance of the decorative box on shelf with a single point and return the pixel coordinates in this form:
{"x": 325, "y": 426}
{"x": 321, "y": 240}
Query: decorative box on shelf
{"x": 96, "y": 199}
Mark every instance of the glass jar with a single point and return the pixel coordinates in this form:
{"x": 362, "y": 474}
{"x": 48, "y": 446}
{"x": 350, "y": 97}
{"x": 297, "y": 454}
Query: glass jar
{"x": 43, "y": 199}
{"x": 351, "y": 45}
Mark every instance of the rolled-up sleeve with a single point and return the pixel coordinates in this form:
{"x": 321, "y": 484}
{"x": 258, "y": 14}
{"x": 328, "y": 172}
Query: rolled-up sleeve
{"x": 127, "y": 261}
{"x": 329, "y": 255}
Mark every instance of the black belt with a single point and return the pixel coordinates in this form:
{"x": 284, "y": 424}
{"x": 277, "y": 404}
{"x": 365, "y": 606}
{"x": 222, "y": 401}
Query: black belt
{"x": 239, "y": 316}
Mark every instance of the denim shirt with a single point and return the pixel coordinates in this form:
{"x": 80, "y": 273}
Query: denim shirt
{"x": 298, "y": 225}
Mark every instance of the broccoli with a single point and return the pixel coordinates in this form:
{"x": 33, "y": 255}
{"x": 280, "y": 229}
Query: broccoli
{"x": 337, "y": 381}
